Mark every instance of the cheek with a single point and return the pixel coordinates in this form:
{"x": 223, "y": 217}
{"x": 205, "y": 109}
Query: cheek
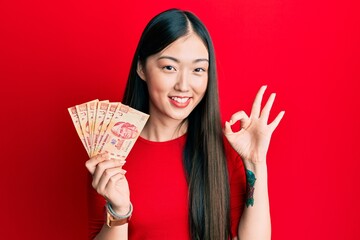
{"x": 200, "y": 85}
{"x": 156, "y": 87}
{"x": 157, "y": 82}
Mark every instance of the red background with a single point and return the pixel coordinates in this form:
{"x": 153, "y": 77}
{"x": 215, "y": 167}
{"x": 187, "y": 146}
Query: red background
{"x": 55, "y": 54}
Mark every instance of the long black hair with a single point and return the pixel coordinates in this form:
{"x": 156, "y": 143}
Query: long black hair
{"x": 204, "y": 154}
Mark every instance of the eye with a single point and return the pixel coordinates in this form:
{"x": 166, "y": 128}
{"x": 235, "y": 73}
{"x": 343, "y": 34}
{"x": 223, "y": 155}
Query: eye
{"x": 169, "y": 68}
{"x": 199, "y": 70}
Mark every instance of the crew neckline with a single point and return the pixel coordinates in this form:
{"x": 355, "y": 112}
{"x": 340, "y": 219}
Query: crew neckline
{"x": 182, "y": 137}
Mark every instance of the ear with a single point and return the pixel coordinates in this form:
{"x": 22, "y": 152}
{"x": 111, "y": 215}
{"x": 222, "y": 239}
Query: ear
{"x": 140, "y": 71}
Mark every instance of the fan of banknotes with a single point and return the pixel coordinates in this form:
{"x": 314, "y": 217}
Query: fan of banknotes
{"x": 110, "y": 127}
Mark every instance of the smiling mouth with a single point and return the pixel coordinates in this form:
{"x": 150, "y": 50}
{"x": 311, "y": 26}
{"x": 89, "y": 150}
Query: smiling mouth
{"x": 180, "y": 99}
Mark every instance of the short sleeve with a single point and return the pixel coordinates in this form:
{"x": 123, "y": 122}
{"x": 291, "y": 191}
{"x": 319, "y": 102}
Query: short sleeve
{"x": 96, "y": 210}
{"x": 237, "y": 180}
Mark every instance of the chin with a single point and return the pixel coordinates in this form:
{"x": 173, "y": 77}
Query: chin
{"x": 181, "y": 117}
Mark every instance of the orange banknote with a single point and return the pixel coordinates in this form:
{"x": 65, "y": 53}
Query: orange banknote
{"x": 104, "y": 126}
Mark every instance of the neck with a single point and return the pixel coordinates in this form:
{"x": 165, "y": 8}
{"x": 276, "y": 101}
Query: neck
{"x": 160, "y": 131}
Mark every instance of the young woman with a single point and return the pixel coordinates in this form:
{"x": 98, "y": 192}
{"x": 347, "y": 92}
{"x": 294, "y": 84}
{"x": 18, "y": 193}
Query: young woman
{"x": 184, "y": 179}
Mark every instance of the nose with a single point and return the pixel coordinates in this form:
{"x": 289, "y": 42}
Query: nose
{"x": 182, "y": 83}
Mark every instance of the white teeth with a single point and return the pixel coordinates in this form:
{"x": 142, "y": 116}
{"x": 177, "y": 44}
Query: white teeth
{"x": 180, "y": 100}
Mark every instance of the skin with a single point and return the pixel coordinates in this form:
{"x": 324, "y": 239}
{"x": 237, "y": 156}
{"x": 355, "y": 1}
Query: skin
{"x": 177, "y": 78}
{"x": 180, "y": 72}
{"x": 252, "y": 143}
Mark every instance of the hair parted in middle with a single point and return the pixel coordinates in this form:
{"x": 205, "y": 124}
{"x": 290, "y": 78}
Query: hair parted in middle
{"x": 204, "y": 155}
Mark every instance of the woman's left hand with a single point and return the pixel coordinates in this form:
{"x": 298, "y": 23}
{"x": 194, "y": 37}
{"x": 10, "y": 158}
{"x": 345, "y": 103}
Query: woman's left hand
{"x": 252, "y": 141}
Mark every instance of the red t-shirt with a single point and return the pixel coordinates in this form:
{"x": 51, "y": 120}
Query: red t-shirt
{"x": 159, "y": 192}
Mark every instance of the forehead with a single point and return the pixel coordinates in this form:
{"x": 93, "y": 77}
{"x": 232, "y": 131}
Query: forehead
{"x": 189, "y": 47}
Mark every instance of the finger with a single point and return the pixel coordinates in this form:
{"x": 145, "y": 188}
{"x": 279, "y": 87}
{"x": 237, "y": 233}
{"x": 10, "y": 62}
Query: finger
{"x": 121, "y": 158}
{"x": 266, "y": 110}
{"x": 105, "y": 178}
{"x": 101, "y": 167}
{"x": 239, "y": 116}
{"x": 256, "y": 107}
{"x": 227, "y": 128}
{"x": 114, "y": 180}
{"x": 276, "y": 121}
{"x": 94, "y": 161}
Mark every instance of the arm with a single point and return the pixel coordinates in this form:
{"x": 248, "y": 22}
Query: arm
{"x": 108, "y": 179}
{"x": 252, "y": 143}
{"x": 118, "y": 232}
{"x": 255, "y": 221}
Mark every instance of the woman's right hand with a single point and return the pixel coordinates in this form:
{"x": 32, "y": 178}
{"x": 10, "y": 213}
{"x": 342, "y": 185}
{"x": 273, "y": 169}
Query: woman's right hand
{"x": 109, "y": 181}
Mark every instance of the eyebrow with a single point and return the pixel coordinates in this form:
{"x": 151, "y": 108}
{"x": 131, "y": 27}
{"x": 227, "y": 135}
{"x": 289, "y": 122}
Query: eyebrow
{"x": 177, "y": 60}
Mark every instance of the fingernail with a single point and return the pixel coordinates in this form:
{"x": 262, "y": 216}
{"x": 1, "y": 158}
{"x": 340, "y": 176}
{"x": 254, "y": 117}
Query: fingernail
{"x": 123, "y": 171}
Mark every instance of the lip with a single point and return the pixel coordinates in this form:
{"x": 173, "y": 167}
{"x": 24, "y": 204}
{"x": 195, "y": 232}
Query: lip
{"x": 180, "y": 102}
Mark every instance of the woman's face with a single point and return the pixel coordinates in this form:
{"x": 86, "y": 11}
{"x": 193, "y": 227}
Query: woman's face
{"x": 177, "y": 78}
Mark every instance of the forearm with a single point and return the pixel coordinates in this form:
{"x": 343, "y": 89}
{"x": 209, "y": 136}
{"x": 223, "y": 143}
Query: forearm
{"x": 255, "y": 222}
{"x": 116, "y": 226}
{"x": 117, "y": 232}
